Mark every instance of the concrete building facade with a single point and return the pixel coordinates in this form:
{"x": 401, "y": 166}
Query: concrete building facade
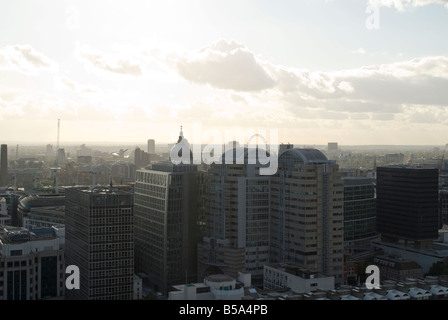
{"x": 32, "y": 265}
{"x": 307, "y": 212}
{"x": 100, "y": 242}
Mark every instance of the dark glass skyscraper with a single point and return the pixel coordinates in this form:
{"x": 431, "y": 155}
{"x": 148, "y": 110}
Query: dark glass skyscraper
{"x": 407, "y": 204}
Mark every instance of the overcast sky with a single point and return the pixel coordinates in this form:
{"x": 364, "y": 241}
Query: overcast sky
{"x": 356, "y": 72}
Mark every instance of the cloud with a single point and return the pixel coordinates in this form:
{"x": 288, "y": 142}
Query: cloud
{"x": 225, "y": 65}
{"x": 96, "y": 60}
{"x": 24, "y": 59}
{"x": 402, "y": 5}
{"x": 64, "y": 83}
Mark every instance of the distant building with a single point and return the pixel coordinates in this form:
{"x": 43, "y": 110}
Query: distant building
{"x": 123, "y": 172}
{"x": 408, "y": 205}
{"x": 5, "y": 219}
{"x": 61, "y": 156}
{"x": 4, "y": 165}
{"x": 151, "y": 146}
{"x": 49, "y": 154}
{"x": 332, "y": 147}
{"x": 32, "y": 263}
{"x": 84, "y": 160}
{"x": 100, "y": 241}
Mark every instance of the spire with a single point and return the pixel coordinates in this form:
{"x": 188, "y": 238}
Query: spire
{"x": 181, "y": 135}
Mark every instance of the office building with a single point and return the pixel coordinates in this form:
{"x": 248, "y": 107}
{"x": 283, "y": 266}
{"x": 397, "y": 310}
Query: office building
{"x": 32, "y": 263}
{"x": 26, "y": 205}
{"x": 100, "y": 242}
{"x": 443, "y": 206}
{"x": 5, "y": 219}
{"x": 332, "y": 147}
{"x": 4, "y": 165}
{"x": 237, "y": 218}
{"x": 359, "y": 214}
{"x": 307, "y": 213}
{"x": 408, "y": 205}
{"x": 151, "y": 146}
{"x": 167, "y": 230}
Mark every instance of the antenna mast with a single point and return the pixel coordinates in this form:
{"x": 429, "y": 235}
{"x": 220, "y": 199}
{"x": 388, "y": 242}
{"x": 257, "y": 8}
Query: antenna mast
{"x": 57, "y": 146}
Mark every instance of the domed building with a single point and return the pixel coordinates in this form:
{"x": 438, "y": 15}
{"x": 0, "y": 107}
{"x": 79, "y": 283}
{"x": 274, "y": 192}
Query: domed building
{"x": 180, "y": 151}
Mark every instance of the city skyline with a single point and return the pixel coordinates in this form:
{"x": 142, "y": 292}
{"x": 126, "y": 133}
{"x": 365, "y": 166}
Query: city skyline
{"x": 357, "y": 72}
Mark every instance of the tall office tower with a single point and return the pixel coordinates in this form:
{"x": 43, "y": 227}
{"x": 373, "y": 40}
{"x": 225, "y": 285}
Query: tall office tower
{"x": 359, "y": 214}
{"x": 4, "y": 165}
{"x": 307, "y": 212}
{"x": 49, "y": 155}
{"x": 99, "y": 240}
{"x": 166, "y": 210}
{"x": 237, "y": 219}
{"x": 151, "y": 146}
{"x": 137, "y": 157}
{"x": 408, "y": 204}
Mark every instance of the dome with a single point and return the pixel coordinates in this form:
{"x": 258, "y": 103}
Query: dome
{"x": 290, "y": 157}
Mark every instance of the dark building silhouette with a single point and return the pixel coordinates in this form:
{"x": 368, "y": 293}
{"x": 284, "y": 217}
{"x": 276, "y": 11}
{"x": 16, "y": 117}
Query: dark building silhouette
{"x": 100, "y": 241}
{"x": 407, "y": 204}
{"x": 4, "y": 165}
{"x": 359, "y": 214}
{"x": 166, "y": 210}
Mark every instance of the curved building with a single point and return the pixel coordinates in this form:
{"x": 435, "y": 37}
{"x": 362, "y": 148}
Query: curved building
{"x": 28, "y": 203}
{"x": 306, "y": 222}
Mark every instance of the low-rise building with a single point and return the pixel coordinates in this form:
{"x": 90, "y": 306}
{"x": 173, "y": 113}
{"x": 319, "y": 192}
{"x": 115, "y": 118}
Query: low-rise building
{"x": 214, "y": 287}
{"x": 299, "y": 280}
{"x": 32, "y": 263}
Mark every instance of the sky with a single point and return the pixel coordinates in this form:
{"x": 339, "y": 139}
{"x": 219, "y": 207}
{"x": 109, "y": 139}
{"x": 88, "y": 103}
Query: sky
{"x": 356, "y": 72}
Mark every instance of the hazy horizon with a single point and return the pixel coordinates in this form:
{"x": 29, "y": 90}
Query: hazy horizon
{"x": 370, "y": 72}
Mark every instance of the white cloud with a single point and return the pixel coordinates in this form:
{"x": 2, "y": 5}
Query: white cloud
{"x": 376, "y": 92}
{"x": 64, "y": 83}
{"x": 96, "y": 60}
{"x": 225, "y": 65}
{"x": 24, "y": 59}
